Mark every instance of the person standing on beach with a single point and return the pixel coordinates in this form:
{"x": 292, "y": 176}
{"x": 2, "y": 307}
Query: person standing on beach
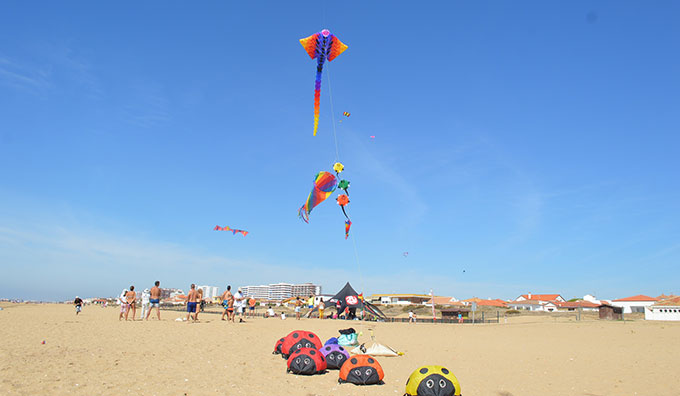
{"x": 123, "y": 304}
{"x": 322, "y": 306}
{"x": 199, "y": 302}
{"x": 298, "y": 307}
{"x": 130, "y": 298}
{"x": 228, "y": 303}
{"x": 251, "y": 306}
{"x": 338, "y": 309}
{"x": 79, "y": 304}
{"x": 239, "y": 303}
{"x": 191, "y": 302}
{"x": 145, "y": 303}
{"x": 155, "y": 300}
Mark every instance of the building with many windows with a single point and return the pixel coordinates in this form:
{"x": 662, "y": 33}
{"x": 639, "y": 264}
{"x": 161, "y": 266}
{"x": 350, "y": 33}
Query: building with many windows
{"x": 281, "y": 291}
{"x": 209, "y": 292}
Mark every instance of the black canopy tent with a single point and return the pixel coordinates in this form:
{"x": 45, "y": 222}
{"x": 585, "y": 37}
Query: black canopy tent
{"x": 349, "y": 298}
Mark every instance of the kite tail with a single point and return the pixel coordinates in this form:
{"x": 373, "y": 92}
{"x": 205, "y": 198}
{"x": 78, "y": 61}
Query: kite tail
{"x": 302, "y": 213}
{"x": 343, "y": 212}
{"x": 317, "y": 96}
{"x": 348, "y": 224}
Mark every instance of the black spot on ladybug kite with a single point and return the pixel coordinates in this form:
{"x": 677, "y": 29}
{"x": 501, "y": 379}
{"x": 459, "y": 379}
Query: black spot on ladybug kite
{"x": 362, "y": 370}
{"x": 299, "y": 339}
{"x": 306, "y": 361}
{"x": 335, "y": 355}
{"x": 277, "y": 346}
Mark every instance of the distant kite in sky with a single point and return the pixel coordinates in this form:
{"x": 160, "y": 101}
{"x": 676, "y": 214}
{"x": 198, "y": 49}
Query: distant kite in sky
{"x": 321, "y": 46}
{"x": 233, "y": 230}
{"x": 372, "y": 136}
{"x": 405, "y": 254}
{"x": 324, "y": 185}
{"x": 346, "y": 114}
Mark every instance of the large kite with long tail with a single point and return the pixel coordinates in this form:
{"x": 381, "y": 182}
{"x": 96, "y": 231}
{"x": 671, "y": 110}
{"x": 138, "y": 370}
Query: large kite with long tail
{"x": 321, "y": 46}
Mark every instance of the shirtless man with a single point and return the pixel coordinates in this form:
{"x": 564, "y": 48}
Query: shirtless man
{"x": 191, "y": 302}
{"x": 228, "y": 303}
{"x": 225, "y": 302}
{"x": 155, "y": 300}
{"x": 130, "y": 298}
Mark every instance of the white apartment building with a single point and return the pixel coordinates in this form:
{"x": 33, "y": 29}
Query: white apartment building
{"x": 260, "y": 292}
{"x": 306, "y": 289}
{"x": 209, "y": 292}
{"x": 281, "y": 291}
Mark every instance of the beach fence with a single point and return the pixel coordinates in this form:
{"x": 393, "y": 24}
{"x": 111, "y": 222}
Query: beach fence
{"x": 481, "y": 317}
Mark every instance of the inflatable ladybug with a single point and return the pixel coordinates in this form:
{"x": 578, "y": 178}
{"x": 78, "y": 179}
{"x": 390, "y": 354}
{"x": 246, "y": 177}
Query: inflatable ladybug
{"x": 335, "y": 355}
{"x": 277, "y": 346}
{"x": 299, "y": 339}
{"x": 432, "y": 381}
{"x": 361, "y": 370}
{"x": 306, "y": 361}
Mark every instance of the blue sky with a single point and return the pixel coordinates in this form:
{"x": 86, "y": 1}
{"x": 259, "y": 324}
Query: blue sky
{"x": 518, "y": 146}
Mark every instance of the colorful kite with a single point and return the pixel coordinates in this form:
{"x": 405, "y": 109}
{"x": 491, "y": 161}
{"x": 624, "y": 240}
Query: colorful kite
{"x": 324, "y": 185}
{"x": 233, "y": 230}
{"x": 348, "y": 224}
{"x": 345, "y": 113}
{"x": 321, "y": 46}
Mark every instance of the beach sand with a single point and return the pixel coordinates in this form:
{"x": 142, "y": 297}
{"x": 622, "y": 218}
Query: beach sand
{"x": 95, "y": 354}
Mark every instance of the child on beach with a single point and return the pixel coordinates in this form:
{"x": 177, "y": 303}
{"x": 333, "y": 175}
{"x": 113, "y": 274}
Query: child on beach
{"x": 79, "y": 304}
{"x": 283, "y": 315}
{"x": 298, "y": 307}
{"x": 123, "y": 304}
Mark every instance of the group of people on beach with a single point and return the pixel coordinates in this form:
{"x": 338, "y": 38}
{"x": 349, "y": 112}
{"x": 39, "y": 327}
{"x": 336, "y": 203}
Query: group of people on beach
{"x": 151, "y": 298}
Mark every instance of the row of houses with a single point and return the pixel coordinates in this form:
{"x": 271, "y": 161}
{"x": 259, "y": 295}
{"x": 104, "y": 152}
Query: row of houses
{"x": 662, "y": 307}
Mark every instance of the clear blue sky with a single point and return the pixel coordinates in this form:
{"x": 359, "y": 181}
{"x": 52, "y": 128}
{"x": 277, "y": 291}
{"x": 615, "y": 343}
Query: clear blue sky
{"x": 533, "y": 145}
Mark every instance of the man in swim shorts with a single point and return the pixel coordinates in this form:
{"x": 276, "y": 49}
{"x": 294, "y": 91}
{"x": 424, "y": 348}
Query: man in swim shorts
{"x": 228, "y": 304}
{"x": 191, "y": 302}
{"x": 155, "y": 300}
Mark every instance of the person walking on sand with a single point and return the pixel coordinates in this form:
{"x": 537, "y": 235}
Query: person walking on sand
{"x": 310, "y": 305}
{"x": 199, "y": 302}
{"x": 298, "y": 307}
{"x": 130, "y": 298}
{"x": 191, "y": 302}
{"x": 155, "y": 300}
{"x": 228, "y": 303}
{"x": 79, "y": 304}
{"x": 123, "y": 304}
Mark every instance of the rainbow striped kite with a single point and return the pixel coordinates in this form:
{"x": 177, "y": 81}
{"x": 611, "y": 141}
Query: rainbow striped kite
{"x": 324, "y": 185}
{"x": 320, "y": 46}
{"x": 233, "y": 230}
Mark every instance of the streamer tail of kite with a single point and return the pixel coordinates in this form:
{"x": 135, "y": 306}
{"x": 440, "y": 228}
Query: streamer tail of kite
{"x": 321, "y": 46}
{"x": 348, "y": 224}
{"x": 234, "y": 231}
{"x": 324, "y": 186}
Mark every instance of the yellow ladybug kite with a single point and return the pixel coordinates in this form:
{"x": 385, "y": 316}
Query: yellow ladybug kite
{"x": 432, "y": 381}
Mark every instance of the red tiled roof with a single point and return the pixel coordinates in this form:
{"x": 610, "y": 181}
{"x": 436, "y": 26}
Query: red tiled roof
{"x": 542, "y": 297}
{"x": 576, "y": 304}
{"x": 673, "y": 302}
{"x": 639, "y": 297}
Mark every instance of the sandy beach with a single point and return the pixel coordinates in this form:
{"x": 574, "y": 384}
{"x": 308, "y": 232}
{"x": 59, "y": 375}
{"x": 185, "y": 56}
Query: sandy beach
{"x": 95, "y": 354}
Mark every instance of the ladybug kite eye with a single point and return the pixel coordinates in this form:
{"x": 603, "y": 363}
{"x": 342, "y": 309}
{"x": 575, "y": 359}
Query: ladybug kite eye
{"x": 368, "y": 372}
{"x": 357, "y": 372}
{"x": 442, "y": 383}
{"x": 308, "y": 345}
{"x": 340, "y": 357}
{"x": 331, "y": 357}
{"x": 306, "y": 361}
{"x": 297, "y": 360}
{"x": 429, "y": 383}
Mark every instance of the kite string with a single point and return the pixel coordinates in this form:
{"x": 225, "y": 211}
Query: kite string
{"x": 330, "y": 95}
{"x": 337, "y": 159}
